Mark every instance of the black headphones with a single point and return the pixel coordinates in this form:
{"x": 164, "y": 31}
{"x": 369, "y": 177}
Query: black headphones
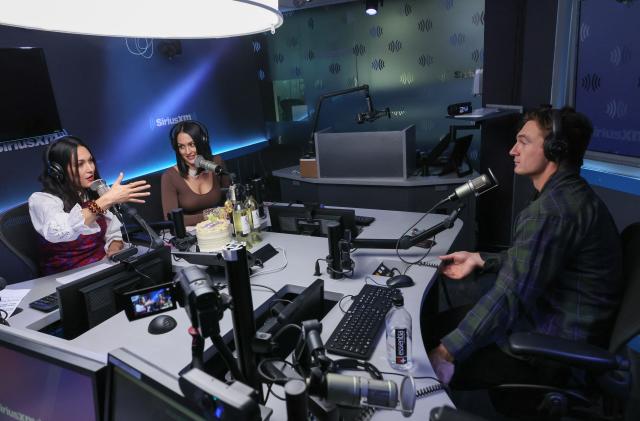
{"x": 555, "y": 144}
{"x": 54, "y": 169}
{"x": 353, "y": 364}
{"x": 173, "y": 134}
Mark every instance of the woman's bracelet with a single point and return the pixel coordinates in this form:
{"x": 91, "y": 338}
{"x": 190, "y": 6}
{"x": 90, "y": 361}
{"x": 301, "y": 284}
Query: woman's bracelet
{"x": 95, "y": 208}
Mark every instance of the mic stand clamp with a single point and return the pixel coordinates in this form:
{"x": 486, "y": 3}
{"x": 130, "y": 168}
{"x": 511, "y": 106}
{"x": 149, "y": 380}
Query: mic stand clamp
{"x": 184, "y": 243}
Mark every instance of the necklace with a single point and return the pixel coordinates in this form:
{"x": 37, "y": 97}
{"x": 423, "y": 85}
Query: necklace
{"x": 193, "y": 173}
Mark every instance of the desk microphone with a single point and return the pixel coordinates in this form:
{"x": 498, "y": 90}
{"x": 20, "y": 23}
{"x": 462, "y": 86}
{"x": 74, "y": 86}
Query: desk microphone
{"x": 358, "y": 391}
{"x": 371, "y": 114}
{"x": 101, "y": 187}
{"x": 209, "y": 166}
{"x": 477, "y": 186}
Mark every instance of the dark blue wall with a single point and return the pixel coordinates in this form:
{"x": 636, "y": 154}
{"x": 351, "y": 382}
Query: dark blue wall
{"x": 608, "y": 81}
{"x": 112, "y": 99}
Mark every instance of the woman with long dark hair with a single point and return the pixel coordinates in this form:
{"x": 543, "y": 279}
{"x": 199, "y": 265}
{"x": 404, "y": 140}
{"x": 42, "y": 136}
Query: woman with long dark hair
{"x": 75, "y": 225}
{"x": 185, "y": 186}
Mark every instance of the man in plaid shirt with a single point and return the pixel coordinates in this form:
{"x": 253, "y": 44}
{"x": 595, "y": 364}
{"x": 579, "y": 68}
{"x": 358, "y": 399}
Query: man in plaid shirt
{"x": 561, "y": 276}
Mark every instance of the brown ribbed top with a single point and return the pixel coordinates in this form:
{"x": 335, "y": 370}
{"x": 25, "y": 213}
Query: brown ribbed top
{"x": 176, "y": 193}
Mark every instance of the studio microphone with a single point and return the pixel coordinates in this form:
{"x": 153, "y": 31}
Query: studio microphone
{"x": 209, "y": 166}
{"x": 372, "y": 114}
{"x": 101, "y": 187}
{"x": 477, "y": 186}
{"x": 358, "y": 391}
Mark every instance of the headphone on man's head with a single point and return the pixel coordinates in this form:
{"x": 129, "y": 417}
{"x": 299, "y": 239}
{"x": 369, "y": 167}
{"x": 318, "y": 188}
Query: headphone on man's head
{"x": 173, "y": 134}
{"x": 555, "y": 144}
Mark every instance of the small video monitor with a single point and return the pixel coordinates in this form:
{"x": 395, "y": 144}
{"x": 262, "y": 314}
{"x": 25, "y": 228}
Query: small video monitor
{"x": 149, "y": 301}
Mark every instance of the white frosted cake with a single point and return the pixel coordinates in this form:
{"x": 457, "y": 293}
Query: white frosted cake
{"x": 213, "y": 235}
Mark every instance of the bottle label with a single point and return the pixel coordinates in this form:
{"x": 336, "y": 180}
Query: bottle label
{"x": 401, "y": 346}
{"x": 255, "y": 216}
{"x": 244, "y": 223}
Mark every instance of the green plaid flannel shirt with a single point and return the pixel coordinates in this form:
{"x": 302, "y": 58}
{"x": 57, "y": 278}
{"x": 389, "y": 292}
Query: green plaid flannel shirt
{"x": 561, "y": 276}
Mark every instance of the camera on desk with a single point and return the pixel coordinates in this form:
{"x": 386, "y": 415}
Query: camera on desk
{"x": 459, "y": 109}
{"x": 192, "y": 289}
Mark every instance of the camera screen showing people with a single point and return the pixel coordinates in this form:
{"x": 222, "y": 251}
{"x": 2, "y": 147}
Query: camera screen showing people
{"x": 149, "y": 302}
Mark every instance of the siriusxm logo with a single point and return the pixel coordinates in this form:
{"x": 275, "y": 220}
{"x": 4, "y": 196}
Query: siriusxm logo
{"x": 170, "y": 121}
{"x": 628, "y": 135}
{"x": 30, "y": 142}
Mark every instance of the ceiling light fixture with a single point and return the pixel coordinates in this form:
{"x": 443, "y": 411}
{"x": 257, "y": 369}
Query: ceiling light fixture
{"x": 371, "y": 7}
{"x": 145, "y": 18}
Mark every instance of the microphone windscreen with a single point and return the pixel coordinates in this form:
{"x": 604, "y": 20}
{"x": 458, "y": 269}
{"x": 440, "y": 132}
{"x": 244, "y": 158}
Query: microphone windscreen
{"x": 200, "y": 162}
{"x": 407, "y": 395}
{"x": 99, "y": 186}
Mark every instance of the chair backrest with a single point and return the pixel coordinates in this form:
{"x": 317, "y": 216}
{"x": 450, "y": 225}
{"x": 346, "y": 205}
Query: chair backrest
{"x": 19, "y": 236}
{"x": 627, "y": 323}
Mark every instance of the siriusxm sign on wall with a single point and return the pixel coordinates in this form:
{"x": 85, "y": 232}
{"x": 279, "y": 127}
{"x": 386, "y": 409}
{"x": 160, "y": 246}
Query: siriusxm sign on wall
{"x": 170, "y": 121}
{"x": 123, "y": 105}
{"x": 608, "y": 82}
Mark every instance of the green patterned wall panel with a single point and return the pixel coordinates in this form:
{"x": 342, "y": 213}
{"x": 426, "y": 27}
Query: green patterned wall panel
{"x": 416, "y": 56}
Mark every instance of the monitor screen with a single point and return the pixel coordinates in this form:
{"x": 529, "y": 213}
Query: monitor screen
{"x": 300, "y": 220}
{"x": 42, "y": 382}
{"x": 89, "y": 301}
{"x": 139, "y": 390}
{"x": 28, "y": 107}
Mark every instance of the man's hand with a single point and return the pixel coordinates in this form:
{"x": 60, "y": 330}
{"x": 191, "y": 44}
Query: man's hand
{"x": 114, "y": 247}
{"x": 460, "y": 264}
{"x": 442, "y": 363}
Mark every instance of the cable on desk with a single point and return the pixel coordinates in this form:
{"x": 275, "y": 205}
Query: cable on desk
{"x": 369, "y": 278}
{"x": 340, "y": 302}
{"x": 265, "y": 287}
{"x": 277, "y": 300}
{"x": 429, "y": 390}
{"x": 3, "y": 317}
{"x": 274, "y": 270}
{"x": 410, "y": 228}
{"x": 345, "y": 273}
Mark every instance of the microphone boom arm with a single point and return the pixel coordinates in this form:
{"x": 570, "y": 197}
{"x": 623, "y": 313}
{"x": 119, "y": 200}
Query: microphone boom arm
{"x": 314, "y": 127}
{"x": 407, "y": 241}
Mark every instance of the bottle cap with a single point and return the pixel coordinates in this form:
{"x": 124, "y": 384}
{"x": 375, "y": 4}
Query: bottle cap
{"x": 398, "y": 300}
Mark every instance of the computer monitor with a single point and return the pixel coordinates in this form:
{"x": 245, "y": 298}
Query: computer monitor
{"x": 141, "y": 390}
{"x": 43, "y": 381}
{"x": 89, "y": 301}
{"x": 310, "y": 221}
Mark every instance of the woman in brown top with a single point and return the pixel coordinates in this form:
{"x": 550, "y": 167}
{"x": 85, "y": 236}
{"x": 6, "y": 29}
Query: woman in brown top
{"x": 185, "y": 186}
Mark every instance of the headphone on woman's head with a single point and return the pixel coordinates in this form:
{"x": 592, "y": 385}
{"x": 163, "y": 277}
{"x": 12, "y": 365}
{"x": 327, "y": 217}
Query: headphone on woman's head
{"x": 54, "y": 169}
{"x": 175, "y": 130}
{"x": 555, "y": 144}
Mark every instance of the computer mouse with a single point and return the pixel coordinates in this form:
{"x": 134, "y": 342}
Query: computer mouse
{"x": 162, "y": 324}
{"x": 400, "y": 281}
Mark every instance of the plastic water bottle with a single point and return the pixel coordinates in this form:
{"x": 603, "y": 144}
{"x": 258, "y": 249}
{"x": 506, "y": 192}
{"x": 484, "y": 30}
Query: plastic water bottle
{"x": 398, "y": 323}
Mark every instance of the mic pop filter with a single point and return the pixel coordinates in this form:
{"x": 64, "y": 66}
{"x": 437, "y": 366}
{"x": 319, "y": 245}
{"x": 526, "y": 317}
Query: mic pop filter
{"x": 408, "y": 395}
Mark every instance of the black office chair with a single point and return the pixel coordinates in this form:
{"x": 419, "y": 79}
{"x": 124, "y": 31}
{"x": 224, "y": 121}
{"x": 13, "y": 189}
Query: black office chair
{"x": 606, "y": 389}
{"x": 19, "y": 236}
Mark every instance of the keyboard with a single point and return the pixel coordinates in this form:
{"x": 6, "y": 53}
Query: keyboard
{"x": 47, "y": 303}
{"x": 357, "y": 333}
{"x": 364, "y": 220}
